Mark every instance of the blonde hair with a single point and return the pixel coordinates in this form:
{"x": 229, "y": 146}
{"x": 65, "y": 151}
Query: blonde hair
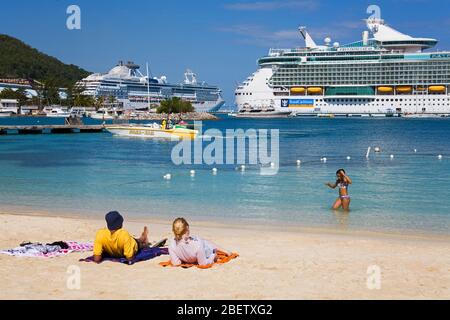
{"x": 179, "y": 227}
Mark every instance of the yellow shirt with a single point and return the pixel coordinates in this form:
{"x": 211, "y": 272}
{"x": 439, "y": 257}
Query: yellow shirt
{"x": 118, "y": 244}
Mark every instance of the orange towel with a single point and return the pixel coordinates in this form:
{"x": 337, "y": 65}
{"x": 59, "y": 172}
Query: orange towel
{"x": 221, "y": 259}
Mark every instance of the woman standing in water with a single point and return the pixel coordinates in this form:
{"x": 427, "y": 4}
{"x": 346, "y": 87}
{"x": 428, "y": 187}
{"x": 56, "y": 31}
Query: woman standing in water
{"x": 342, "y": 182}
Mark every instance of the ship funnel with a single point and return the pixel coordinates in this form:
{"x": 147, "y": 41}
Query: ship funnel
{"x": 365, "y": 38}
{"x": 308, "y": 40}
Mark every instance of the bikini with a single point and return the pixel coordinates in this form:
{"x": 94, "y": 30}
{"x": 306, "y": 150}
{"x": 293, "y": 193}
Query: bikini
{"x": 343, "y": 185}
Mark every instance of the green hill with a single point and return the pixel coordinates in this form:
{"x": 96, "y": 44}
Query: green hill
{"x": 19, "y": 60}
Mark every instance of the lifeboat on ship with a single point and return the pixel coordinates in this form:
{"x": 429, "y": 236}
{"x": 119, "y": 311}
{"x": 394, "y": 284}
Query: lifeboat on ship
{"x": 385, "y": 90}
{"x": 298, "y": 90}
{"x": 315, "y": 91}
{"x": 404, "y": 89}
{"x": 436, "y": 89}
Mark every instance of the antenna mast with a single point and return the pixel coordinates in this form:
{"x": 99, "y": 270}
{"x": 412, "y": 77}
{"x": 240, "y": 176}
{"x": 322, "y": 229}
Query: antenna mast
{"x": 148, "y": 88}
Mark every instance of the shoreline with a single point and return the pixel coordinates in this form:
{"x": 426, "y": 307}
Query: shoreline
{"x": 273, "y": 264}
{"x": 224, "y": 223}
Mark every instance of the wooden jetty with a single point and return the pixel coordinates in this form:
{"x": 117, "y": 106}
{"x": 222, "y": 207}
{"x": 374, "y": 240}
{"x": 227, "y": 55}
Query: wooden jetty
{"x": 41, "y": 129}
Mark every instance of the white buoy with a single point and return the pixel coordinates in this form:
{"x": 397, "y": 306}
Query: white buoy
{"x": 192, "y": 172}
{"x": 415, "y": 150}
{"x": 168, "y": 176}
{"x": 243, "y": 168}
{"x": 377, "y": 149}
{"x": 349, "y": 158}
{"x": 324, "y": 159}
{"x": 272, "y": 164}
{"x": 299, "y": 162}
{"x": 214, "y": 171}
{"x": 392, "y": 156}
{"x": 440, "y": 157}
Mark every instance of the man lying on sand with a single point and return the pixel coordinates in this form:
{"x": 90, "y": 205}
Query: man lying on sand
{"x": 116, "y": 242}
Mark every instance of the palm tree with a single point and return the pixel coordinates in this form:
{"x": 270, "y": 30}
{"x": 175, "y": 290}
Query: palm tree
{"x": 99, "y": 102}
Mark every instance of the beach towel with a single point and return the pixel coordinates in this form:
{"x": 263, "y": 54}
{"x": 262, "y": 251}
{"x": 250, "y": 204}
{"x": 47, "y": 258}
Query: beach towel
{"x": 143, "y": 255}
{"x": 38, "y": 250}
{"x": 221, "y": 259}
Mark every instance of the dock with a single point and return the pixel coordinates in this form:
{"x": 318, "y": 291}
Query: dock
{"x": 48, "y": 129}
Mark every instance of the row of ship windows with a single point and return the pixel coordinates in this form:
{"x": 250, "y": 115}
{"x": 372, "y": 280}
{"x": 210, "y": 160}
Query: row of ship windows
{"x": 343, "y": 73}
{"x": 363, "y": 67}
{"x": 389, "y": 65}
{"x": 386, "y": 100}
{"x": 243, "y": 93}
{"x": 368, "y": 82}
{"x": 384, "y": 105}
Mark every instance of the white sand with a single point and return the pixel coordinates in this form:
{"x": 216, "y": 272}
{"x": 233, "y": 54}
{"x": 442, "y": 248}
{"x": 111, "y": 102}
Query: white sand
{"x": 295, "y": 264}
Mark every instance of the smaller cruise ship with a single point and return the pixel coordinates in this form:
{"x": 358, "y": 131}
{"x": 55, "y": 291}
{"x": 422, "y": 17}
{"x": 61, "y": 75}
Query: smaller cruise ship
{"x": 135, "y": 91}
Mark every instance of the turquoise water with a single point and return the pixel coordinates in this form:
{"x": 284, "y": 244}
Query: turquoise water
{"x": 94, "y": 173}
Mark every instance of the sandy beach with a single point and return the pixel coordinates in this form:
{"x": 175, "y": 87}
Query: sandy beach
{"x": 292, "y": 264}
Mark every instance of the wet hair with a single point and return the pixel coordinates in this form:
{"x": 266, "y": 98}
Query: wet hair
{"x": 337, "y": 172}
{"x": 179, "y": 227}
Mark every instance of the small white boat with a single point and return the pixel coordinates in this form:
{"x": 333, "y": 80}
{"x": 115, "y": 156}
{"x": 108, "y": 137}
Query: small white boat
{"x": 423, "y": 115}
{"x": 104, "y": 114}
{"x": 5, "y": 114}
{"x": 154, "y": 130}
{"x": 270, "y": 112}
{"x": 56, "y": 112}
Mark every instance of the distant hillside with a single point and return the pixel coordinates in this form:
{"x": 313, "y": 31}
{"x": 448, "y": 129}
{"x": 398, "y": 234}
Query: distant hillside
{"x": 19, "y": 60}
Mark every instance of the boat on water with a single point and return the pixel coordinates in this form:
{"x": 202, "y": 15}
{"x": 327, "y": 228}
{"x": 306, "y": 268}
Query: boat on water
{"x": 153, "y": 130}
{"x": 5, "y": 113}
{"x": 56, "y": 112}
{"x": 424, "y": 115}
{"x": 386, "y": 73}
{"x": 104, "y": 114}
{"x": 265, "y": 112}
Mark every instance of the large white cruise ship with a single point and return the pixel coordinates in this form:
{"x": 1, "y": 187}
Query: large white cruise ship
{"x": 135, "y": 91}
{"x": 386, "y": 73}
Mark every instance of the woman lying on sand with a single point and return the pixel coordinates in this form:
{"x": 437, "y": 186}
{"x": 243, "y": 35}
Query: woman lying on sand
{"x": 342, "y": 182}
{"x": 191, "y": 249}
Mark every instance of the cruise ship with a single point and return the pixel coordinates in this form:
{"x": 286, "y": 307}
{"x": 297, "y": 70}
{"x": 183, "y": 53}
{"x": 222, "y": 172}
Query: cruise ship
{"x": 133, "y": 90}
{"x": 386, "y": 73}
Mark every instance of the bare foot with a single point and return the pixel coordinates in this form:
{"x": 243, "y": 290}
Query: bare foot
{"x": 144, "y": 237}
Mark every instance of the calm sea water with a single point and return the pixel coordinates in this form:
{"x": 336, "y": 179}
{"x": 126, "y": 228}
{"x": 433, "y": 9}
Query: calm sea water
{"x": 94, "y": 173}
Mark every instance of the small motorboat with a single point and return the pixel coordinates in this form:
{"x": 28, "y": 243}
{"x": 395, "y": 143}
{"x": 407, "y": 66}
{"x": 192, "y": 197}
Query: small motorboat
{"x": 56, "y": 112}
{"x": 154, "y": 130}
{"x": 254, "y": 113}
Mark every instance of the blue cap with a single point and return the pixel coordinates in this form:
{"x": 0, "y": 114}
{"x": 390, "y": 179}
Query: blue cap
{"x": 114, "y": 220}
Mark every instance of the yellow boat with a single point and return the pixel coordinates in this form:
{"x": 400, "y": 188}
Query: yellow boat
{"x": 385, "y": 90}
{"x": 152, "y": 131}
{"x": 436, "y": 89}
{"x": 315, "y": 90}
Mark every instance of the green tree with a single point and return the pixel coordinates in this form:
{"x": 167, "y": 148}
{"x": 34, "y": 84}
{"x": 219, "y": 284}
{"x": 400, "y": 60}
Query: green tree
{"x": 50, "y": 92}
{"x": 175, "y": 105}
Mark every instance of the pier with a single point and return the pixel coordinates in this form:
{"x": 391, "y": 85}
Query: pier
{"x": 50, "y": 129}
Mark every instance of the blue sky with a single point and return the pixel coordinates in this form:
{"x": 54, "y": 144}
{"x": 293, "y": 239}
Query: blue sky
{"x": 219, "y": 40}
